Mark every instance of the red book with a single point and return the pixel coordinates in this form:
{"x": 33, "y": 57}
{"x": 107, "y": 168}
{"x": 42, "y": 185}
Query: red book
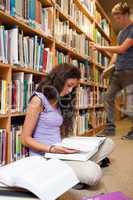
{"x": 45, "y": 56}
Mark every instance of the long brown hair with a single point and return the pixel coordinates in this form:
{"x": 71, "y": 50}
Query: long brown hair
{"x": 57, "y": 79}
{"x": 59, "y": 75}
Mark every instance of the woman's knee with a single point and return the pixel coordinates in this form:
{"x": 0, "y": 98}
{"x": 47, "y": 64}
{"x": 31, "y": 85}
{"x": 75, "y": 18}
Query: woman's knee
{"x": 93, "y": 174}
{"x": 87, "y": 172}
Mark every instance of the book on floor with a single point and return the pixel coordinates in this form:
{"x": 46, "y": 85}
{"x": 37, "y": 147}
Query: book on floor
{"x": 87, "y": 147}
{"x": 47, "y": 179}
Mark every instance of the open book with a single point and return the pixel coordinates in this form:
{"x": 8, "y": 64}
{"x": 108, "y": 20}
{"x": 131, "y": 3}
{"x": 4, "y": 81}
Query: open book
{"x": 108, "y": 70}
{"x": 47, "y": 179}
{"x": 87, "y": 147}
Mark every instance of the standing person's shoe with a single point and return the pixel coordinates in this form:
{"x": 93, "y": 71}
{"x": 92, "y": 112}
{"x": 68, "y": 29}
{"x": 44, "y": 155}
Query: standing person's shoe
{"x": 129, "y": 136}
{"x": 106, "y": 132}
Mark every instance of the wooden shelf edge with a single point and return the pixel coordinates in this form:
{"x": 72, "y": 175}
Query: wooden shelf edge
{"x": 47, "y": 2}
{"x": 4, "y": 116}
{"x": 28, "y": 70}
{"x": 17, "y": 114}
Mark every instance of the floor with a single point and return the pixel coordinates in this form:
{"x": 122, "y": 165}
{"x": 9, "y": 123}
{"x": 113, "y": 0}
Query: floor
{"x": 119, "y": 175}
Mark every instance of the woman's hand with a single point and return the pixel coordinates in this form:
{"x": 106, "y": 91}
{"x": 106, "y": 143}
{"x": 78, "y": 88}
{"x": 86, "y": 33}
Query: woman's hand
{"x": 63, "y": 150}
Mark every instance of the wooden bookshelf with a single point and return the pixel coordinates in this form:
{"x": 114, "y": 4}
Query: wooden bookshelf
{"x": 7, "y": 70}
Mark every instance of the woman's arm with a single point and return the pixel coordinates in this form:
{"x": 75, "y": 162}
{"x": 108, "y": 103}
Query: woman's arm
{"x": 113, "y": 59}
{"x": 120, "y": 49}
{"x": 30, "y": 123}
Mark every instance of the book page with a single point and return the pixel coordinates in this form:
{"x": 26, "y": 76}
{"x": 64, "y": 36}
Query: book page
{"x": 84, "y": 144}
{"x": 87, "y": 146}
{"x": 82, "y": 156}
{"x": 18, "y": 168}
{"x": 47, "y": 179}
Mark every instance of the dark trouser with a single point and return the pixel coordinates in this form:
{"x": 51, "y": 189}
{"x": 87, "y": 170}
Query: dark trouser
{"x": 119, "y": 80}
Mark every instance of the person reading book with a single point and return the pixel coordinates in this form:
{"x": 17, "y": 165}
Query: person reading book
{"x": 42, "y": 125}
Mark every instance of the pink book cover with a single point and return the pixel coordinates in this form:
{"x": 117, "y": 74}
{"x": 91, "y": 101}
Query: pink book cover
{"x": 108, "y": 196}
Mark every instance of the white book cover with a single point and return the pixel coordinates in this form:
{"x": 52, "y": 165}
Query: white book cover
{"x": 19, "y": 77}
{"x": 87, "y": 147}
{"x": 14, "y": 45}
{"x": 47, "y": 179}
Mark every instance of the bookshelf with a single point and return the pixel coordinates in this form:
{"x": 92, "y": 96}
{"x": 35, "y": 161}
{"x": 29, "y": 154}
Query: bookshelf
{"x": 57, "y": 31}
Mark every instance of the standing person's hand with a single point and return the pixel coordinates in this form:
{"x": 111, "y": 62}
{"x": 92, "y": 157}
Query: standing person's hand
{"x": 94, "y": 46}
{"x": 63, "y": 150}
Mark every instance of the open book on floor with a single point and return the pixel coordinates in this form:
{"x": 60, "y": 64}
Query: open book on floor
{"x": 47, "y": 179}
{"x": 87, "y": 147}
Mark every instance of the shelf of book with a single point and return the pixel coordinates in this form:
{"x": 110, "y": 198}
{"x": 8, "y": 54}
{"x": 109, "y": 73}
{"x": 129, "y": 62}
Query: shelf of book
{"x": 5, "y": 18}
{"x": 25, "y": 70}
{"x": 82, "y": 7}
{"x": 72, "y": 52}
{"x": 72, "y": 23}
{"x": 102, "y": 11}
{"x": 102, "y": 31}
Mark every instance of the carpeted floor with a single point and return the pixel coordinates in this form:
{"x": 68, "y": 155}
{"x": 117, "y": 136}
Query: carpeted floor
{"x": 119, "y": 175}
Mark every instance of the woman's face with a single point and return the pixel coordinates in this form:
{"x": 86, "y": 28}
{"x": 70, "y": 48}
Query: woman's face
{"x": 120, "y": 19}
{"x": 69, "y": 85}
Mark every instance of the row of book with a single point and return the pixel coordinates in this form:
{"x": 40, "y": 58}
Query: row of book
{"x": 17, "y": 150}
{"x": 32, "y": 12}
{"x": 70, "y": 9}
{"x": 99, "y": 97}
{"x": 64, "y": 33}
{"x": 86, "y": 97}
{"x": 83, "y": 122}
{"x": 61, "y": 57}
{"x": 102, "y": 22}
{"x": 85, "y": 69}
{"x": 98, "y": 78}
{"x": 22, "y": 88}
{"x": 4, "y": 96}
{"x": 101, "y": 59}
{"x": 89, "y": 5}
{"x": 100, "y": 118}
{"x": 24, "y": 51}
{"x": 84, "y": 66}
{"x": 99, "y": 38}
{"x": 3, "y": 137}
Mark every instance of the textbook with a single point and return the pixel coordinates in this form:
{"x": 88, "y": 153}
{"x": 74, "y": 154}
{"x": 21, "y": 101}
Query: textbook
{"x": 47, "y": 179}
{"x": 87, "y": 147}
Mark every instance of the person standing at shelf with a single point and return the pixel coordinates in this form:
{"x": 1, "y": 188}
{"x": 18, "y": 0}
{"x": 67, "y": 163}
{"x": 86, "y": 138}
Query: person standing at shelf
{"x": 122, "y": 58}
{"x": 44, "y": 117}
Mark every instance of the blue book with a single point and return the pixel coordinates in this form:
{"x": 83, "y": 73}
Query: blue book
{"x": 12, "y": 7}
